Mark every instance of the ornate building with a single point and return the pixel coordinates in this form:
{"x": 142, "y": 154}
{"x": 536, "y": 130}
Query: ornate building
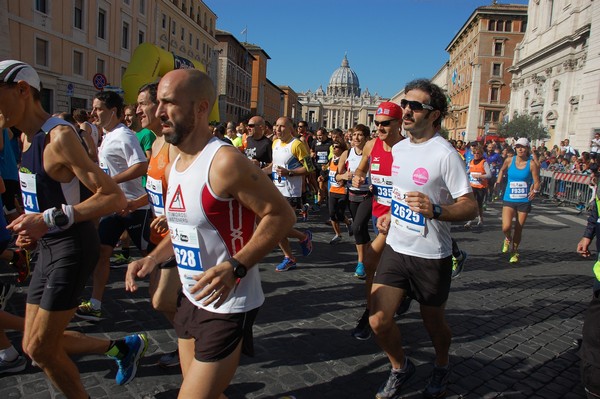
{"x": 556, "y": 70}
{"x": 342, "y": 105}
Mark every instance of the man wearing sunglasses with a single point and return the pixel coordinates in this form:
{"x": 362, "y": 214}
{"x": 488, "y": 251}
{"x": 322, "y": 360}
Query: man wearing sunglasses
{"x": 377, "y": 160}
{"x": 429, "y": 190}
{"x": 259, "y": 148}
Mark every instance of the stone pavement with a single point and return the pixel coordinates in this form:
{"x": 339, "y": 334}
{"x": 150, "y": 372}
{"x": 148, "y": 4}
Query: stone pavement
{"x": 515, "y": 328}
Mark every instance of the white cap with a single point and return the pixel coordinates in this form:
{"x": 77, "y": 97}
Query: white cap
{"x": 12, "y": 71}
{"x": 522, "y": 141}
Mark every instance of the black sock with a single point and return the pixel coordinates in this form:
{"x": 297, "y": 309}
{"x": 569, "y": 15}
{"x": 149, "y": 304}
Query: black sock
{"x": 125, "y": 252}
{"x": 118, "y": 349}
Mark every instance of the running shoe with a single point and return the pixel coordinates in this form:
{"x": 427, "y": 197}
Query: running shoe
{"x": 119, "y": 261}
{"x": 362, "y": 331}
{"x": 307, "y": 244}
{"x": 514, "y": 257}
{"x": 360, "y": 271}
{"x": 349, "y": 227}
{"x": 86, "y": 311}
{"x": 404, "y": 306}
{"x": 169, "y": 359}
{"x": 21, "y": 264}
{"x": 468, "y": 224}
{"x": 335, "y": 240}
{"x": 316, "y": 207}
{"x": 6, "y": 291}
{"x": 438, "y": 383}
{"x": 459, "y": 263}
{"x": 285, "y": 265}
{"x": 391, "y": 388}
{"x": 13, "y": 366}
{"x": 137, "y": 344}
{"x": 505, "y": 246}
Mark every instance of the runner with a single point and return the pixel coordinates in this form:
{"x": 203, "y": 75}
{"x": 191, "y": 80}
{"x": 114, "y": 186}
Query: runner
{"x": 430, "y": 190}
{"x": 63, "y": 192}
{"x": 479, "y": 174}
{"x": 377, "y": 162}
{"x": 522, "y": 184}
{"x": 338, "y": 197}
{"x": 360, "y": 198}
{"x": 215, "y": 241}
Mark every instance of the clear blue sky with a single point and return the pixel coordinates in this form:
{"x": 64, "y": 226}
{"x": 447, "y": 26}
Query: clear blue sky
{"x": 388, "y": 42}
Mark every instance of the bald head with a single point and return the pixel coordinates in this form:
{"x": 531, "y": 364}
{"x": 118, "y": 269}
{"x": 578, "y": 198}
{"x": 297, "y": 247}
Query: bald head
{"x": 191, "y": 83}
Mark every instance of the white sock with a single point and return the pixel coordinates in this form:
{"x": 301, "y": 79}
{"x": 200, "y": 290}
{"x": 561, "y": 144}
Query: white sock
{"x": 96, "y": 304}
{"x": 9, "y": 354}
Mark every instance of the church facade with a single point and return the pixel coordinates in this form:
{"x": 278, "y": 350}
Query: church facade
{"x": 343, "y": 105}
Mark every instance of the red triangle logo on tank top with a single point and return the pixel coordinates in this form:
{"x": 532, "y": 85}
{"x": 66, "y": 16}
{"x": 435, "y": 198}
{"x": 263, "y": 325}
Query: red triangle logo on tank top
{"x": 177, "y": 204}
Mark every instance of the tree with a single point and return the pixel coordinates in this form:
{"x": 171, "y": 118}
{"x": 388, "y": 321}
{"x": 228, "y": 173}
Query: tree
{"x": 524, "y": 126}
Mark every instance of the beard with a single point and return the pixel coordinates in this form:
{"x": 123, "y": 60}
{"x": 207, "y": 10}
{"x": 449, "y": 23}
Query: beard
{"x": 180, "y": 131}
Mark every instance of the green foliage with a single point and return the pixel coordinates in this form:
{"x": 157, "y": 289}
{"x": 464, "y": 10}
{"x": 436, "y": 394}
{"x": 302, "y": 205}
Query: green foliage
{"x": 524, "y": 126}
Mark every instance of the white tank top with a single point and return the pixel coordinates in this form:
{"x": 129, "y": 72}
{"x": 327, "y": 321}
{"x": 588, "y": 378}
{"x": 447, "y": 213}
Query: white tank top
{"x": 207, "y": 230}
{"x": 352, "y": 163}
{"x": 289, "y": 187}
{"x": 94, "y": 133}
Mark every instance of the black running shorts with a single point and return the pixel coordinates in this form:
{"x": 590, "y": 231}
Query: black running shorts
{"x": 216, "y": 335}
{"x": 64, "y": 263}
{"x": 428, "y": 280}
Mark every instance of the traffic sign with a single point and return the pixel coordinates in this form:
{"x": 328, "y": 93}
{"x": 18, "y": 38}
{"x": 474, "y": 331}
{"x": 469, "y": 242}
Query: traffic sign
{"x": 99, "y": 81}
{"x": 70, "y": 89}
{"x": 464, "y": 133}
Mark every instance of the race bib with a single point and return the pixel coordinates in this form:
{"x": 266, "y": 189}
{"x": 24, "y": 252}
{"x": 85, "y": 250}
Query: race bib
{"x": 186, "y": 247}
{"x": 322, "y": 157}
{"x": 518, "y": 190}
{"x": 382, "y": 186}
{"x": 155, "y": 195}
{"x": 103, "y": 166}
{"x": 403, "y": 218}
{"x": 29, "y": 192}
{"x": 332, "y": 180}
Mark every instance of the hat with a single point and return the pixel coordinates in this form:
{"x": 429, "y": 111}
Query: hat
{"x": 523, "y": 141}
{"x": 12, "y": 71}
{"x": 388, "y": 108}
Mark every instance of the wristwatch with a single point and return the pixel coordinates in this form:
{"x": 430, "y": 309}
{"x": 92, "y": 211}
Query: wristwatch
{"x": 60, "y": 218}
{"x": 437, "y": 211}
{"x": 239, "y": 270}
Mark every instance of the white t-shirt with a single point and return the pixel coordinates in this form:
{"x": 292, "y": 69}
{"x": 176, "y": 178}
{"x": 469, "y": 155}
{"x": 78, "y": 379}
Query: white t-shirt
{"x": 119, "y": 151}
{"x": 435, "y": 169}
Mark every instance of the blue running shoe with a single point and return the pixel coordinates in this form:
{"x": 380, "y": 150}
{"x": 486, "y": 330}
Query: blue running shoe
{"x": 137, "y": 343}
{"x": 360, "y": 271}
{"x": 306, "y": 244}
{"x": 286, "y": 265}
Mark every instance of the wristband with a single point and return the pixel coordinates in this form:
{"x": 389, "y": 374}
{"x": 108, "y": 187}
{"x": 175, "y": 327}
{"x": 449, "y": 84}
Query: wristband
{"x": 69, "y": 211}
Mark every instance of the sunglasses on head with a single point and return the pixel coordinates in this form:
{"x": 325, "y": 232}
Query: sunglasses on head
{"x": 415, "y": 105}
{"x": 384, "y": 123}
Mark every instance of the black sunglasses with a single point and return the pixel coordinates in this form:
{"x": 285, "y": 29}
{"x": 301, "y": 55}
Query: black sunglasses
{"x": 251, "y": 125}
{"x": 384, "y": 123}
{"x": 415, "y": 105}
{"x": 299, "y": 126}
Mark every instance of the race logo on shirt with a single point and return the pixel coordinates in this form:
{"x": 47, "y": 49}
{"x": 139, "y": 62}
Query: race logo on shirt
{"x": 177, "y": 204}
{"x": 420, "y": 176}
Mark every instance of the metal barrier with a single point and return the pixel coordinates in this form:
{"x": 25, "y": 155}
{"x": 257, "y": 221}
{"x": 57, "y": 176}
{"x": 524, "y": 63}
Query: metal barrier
{"x": 570, "y": 188}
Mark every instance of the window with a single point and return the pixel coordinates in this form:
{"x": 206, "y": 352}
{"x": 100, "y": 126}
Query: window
{"x": 197, "y": 43}
{"x": 498, "y": 49}
{"x": 182, "y": 33}
{"x": 173, "y": 28}
{"x": 190, "y": 36}
{"x": 491, "y": 25}
{"x": 77, "y": 63}
{"x": 496, "y": 69}
{"x": 183, "y": 6}
{"x": 141, "y": 37}
{"x": 101, "y": 23}
{"x": 555, "y": 91}
{"x": 41, "y": 6}
{"x": 492, "y": 116}
{"x": 143, "y": 7}
{"x": 125, "y": 36}
{"x": 500, "y": 26}
{"x": 41, "y": 52}
{"x": 494, "y": 94}
{"x": 100, "y": 65}
{"x": 523, "y": 26}
{"x": 78, "y": 14}
{"x": 508, "y": 26}
{"x": 164, "y": 21}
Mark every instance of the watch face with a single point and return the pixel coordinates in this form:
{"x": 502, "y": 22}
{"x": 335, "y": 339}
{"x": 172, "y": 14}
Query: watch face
{"x": 240, "y": 271}
{"x": 60, "y": 219}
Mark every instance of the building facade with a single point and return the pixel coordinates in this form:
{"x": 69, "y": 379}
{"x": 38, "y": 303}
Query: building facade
{"x": 481, "y": 54}
{"x": 291, "y": 106}
{"x": 556, "y": 71}
{"x": 234, "y": 86}
{"x": 70, "y": 41}
{"x": 343, "y": 105}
